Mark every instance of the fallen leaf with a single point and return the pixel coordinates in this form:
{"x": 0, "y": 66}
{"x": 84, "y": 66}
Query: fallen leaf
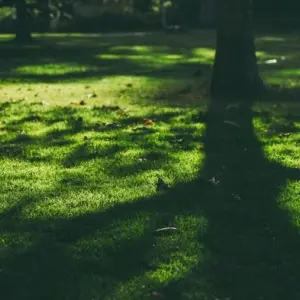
{"x": 236, "y": 196}
{"x": 92, "y": 95}
{"x": 166, "y": 229}
{"x": 287, "y": 134}
{"x": 214, "y": 181}
{"x": 232, "y": 123}
{"x": 45, "y": 103}
{"x": 142, "y": 159}
{"x": 148, "y": 122}
{"x": 142, "y": 129}
{"x": 271, "y": 61}
{"x": 112, "y": 125}
{"x": 157, "y": 294}
{"x": 232, "y": 105}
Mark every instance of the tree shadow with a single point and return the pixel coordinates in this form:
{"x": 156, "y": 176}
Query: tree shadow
{"x": 250, "y": 245}
{"x": 252, "y": 242}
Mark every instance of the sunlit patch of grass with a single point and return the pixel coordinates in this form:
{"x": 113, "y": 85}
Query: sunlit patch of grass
{"x": 204, "y": 55}
{"x": 160, "y": 56}
{"x": 101, "y": 92}
{"x": 93, "y": 145}
{"x": 271, "y": 39}
{"x": 286, "y": 200}
{"x": 290, "y": 73}
{"x": 279, "y": 135}
{"x": 155, "y": 60}
{"x": 52, "y": 69}
{"x": 139, "y": 49}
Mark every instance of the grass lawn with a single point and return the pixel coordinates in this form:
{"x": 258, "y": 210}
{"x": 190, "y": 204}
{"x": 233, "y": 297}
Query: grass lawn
{"x": 106, "y": 140}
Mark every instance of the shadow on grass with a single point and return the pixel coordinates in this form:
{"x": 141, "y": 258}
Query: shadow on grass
{"x": 250, "y": 247}
{"x": 94, "y": 57}
{"x": 101, "y": 57}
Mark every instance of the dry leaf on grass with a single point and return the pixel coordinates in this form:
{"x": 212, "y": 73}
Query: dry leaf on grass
{"x": 157, "y": 294}
{"x": 92, "y": 95}
{"x": 232, "y": 123}
{"x": 45, "y": 103}
{"x": 148, "y": 122}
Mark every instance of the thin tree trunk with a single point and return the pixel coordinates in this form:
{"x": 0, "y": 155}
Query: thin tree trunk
{"x": 23, "y": 33}
{"x": 208, "y": 12}
{"x": 163, "y": 14}
{"x": 235, "y": 69}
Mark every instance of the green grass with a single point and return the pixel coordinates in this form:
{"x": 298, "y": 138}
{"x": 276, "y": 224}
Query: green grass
{"x": 87, "y": 129}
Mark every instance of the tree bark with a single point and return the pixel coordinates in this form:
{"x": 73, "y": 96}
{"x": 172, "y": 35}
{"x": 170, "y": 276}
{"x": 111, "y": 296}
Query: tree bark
{"x": 163, "y": 14}
{"x": 208, "y": 12}
{"x": 23, "y": 34}
{"x": 235, "y": 70}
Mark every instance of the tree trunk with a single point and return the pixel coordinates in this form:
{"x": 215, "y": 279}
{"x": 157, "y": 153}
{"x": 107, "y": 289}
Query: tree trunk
{"x": 208, "y": 12}
{"x": 235, "y": 70}
{"x": 23, "y": 34}
{"x": 163, "y": 14}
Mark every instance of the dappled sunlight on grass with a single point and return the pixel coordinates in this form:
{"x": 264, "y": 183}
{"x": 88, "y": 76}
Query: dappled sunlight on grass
{"x": 289, "y": 73}
{"x": 24, "y": 181}
{"x": 71, "y": 57}
{"x": 202, "y": 55}
{"x": 159, "y": 56}
{"x": 100, "y": 92}
{"x": 271, "y": 39}
{"x": 63, "y": 163}
{"x": 104, "y": 153}
{"x": 139, "y": 49}
{"x": 286, "y": 201}
{"x": 278, "y": 129}
{"x": 157, "y": 60}
{"x": 90, "y": 58}
{"x": 58, "y": 68}
{"x": 121, "y": 179}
